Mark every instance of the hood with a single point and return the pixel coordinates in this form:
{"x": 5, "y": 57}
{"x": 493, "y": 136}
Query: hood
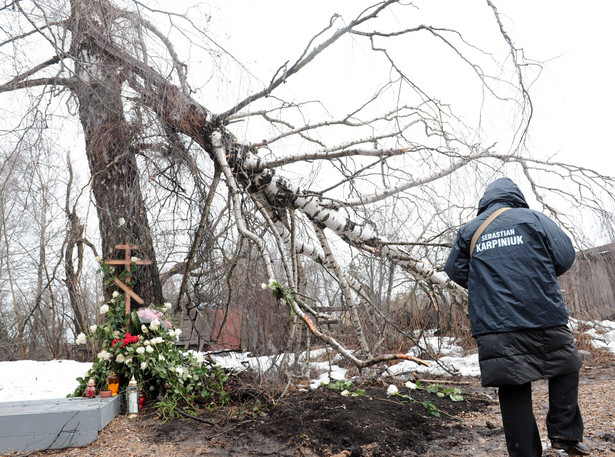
{"x": 505, "y": 191}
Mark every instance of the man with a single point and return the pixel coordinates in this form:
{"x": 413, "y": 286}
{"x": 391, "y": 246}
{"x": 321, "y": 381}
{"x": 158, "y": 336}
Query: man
{"x": 519, "y": 317}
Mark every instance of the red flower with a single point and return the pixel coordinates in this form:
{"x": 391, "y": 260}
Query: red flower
{"x": 115, "y": 341}
{"x": 129, "y": 339}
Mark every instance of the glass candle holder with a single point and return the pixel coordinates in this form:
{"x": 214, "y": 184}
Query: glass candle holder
{"x": 113, "y": 381}
{"x": 132, "y": 397}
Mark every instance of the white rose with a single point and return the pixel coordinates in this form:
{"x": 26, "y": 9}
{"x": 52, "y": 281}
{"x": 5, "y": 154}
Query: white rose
{"x": 93, "y": 328}
{"x": 134, "y": 259}
{"x": 122, "y": 221}
{"x": 345, "y": 393}
{"x": 168, "y": 306}
{"x": 154, "y": 325}
{"x": 144, "y": 329}
{"x": 104, "y": 309}
{"x": 116, "y": 334}
{"x": 178, "y": 331}
{"x": 143, "y": 365}
{"x": 411, "y": 385}
{"x": 179, "y": 370}
{"x": 128, "y": 360}
{"x": 161, "y": 358}
{"x": 147, "y": 342}
{"x": 115, "y": 294}
{"x": 149, "y": 349}
{"x": 104, "y": 355}
{"x": 264, "y": 286}
{"x": 120, "y": 358}
{"x": 81, "y": 339}
{"x": 392, "y": 390}
{"x": 140, "y": 350}
{"x": 159, "y": 340}
{"x": 199, "y": 357}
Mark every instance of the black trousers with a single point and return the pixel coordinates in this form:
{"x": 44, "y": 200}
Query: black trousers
{"x": 563, "y": 420}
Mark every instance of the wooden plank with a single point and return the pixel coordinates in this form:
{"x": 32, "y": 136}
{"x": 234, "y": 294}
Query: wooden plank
{"x": 117, "y": 262}
{"x": 127, "y": 262}
{"x": 128, "y": 291}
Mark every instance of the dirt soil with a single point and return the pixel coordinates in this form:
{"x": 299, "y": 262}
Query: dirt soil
{"x": 324, "y": 423}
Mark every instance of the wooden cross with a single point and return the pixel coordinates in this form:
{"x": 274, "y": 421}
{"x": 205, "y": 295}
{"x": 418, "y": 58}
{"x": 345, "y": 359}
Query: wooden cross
{"x": 127, "y": 262}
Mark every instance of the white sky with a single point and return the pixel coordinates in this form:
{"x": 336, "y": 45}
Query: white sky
{"x": 573, "y": 97}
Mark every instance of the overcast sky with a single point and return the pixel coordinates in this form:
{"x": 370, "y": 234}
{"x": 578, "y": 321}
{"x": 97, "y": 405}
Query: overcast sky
{"x": 573, "y": 97}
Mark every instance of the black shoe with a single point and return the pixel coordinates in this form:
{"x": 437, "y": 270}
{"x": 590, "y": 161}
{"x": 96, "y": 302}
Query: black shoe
{"x": 571, "y": 447}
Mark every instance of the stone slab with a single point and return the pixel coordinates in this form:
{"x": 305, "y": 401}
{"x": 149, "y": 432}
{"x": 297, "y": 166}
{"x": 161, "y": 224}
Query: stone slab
{"x": 54, "y": 424}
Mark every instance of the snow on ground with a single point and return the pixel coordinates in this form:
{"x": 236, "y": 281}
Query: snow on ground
{"x": 32, "y": 380}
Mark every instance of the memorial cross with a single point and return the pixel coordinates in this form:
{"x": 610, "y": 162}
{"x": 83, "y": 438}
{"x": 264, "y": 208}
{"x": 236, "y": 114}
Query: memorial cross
{"x": 127, "y": 262}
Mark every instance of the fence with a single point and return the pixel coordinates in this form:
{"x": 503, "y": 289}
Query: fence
{"x": 589, "y": 286}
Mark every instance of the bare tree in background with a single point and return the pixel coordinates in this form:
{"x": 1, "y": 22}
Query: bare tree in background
{"x": 389, "y": 177}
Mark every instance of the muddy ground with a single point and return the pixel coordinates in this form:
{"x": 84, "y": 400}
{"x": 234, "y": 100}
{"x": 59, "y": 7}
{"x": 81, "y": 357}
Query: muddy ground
{"x": 326, "y": 424}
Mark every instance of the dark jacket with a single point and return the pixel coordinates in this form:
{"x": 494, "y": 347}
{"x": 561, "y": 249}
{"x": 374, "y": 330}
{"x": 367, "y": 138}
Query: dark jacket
{"x": 515, "y": 358}
{"x": 511, "y": 278}
{"x": 516, "y": 309}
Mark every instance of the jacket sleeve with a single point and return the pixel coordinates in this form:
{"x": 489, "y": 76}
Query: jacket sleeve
{"x": 559, "y": 245}
{"x": 458, "y": 263}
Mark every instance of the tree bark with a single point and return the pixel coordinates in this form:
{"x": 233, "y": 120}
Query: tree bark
{"x": 113, "y": 165}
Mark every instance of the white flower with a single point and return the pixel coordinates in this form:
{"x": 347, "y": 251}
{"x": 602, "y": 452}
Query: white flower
{"x": 140, "y": 350}
{"x": 81, "y": 339}
{"x": 144, "y": 329}
{"x": 122, "y": 222}
{"x": 149, "y": 349}
{"x": 143, "y": 365}
{"x": 97, "y": 258}
{"x": 411, "y": 385}
{"x": 161, "y": 357}
{"x": 345, "y": 393}
{"x": 158, "y": 340}
{"x": 200, "y": 358}
{"x": 179, "y": 370}
{"x": 101, "y": 300}
{"x": 93, "y": 328}
{"x": 147, "y": 342}
{"x": 112, "y": 300}
{"x": 264, "y": 286}
{"x": 154, "y": 325}
{"x": 120, "y": 358}
{"x": 116, "y": 334}
{"x": 271, "y": 281}
{"x": 134, "y": 259}
{"x": 392, "y": 390}
{"x": 104, "y": 309}
{"x": 104, "y": 355}
{"x": 128, "y": 360}
{"x": 178, "y": 331}
{"x": 115, "y": 294}
{"x": 168, "y": 306}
